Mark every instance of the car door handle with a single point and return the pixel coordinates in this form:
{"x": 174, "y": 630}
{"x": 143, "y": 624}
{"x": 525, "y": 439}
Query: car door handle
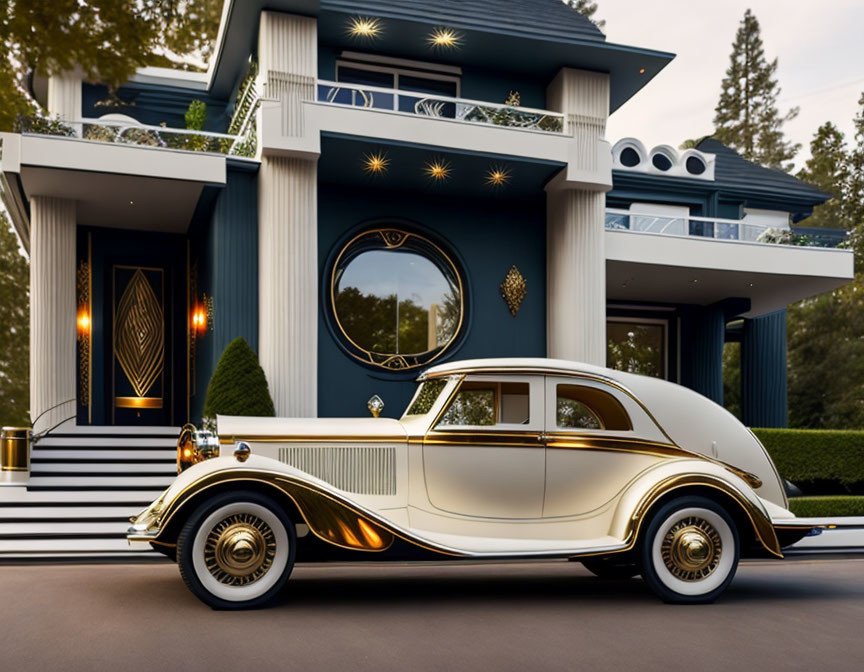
{"x": 542, "y": 437}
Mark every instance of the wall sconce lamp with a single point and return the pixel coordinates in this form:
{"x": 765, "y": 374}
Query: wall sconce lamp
{"x": 83, "y": 323}
{"x": 202, "y": 316}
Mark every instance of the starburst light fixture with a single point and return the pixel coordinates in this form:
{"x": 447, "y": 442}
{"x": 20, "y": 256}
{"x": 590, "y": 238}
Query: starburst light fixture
{"x": 376, "y": 164}
{"x": 497, "y": 176}
{"x": 363, "y": 27}
{"x": 445, "y": 38}
{"x": 438, "y": 170}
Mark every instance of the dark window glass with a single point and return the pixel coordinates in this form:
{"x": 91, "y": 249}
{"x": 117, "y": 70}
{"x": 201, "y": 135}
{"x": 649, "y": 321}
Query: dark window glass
{"x": 483, "y": 404}
{"x": 629, "y": 157}
{"x": 383, "y": 80}
{"x": 636, "y": 348}
{"x": 695, "y": 166}
{"x": 661, "y": 162}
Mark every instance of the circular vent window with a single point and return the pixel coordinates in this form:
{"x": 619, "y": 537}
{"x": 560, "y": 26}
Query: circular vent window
{"x": 396, "y": 299}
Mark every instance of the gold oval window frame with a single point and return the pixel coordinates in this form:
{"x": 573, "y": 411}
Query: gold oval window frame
{"x": 391, "y": 239}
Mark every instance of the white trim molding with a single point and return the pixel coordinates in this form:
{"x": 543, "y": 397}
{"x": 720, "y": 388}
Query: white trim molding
{"x": 662, "y": 160}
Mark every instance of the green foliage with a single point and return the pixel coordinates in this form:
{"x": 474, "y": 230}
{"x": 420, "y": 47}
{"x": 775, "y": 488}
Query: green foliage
{"x": 107, "y": 39}
{"x": 15, "y": 329}
{"x": 732, "y": 378}
{"x": 238, "y": 385}
{"x": 828, "y": 168}
{"x": 587, "y": 8}
{"x": 825, "y": 507}
{"x": 196, "y": 115}
{"x": 817, "y": 461}
{"x": 746, "y": 116}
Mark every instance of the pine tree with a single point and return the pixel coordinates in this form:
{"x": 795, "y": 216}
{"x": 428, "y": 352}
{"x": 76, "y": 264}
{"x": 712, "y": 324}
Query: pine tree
{"x": 828, "y": 169}
{"x": 238, "y": 385}
{"x": 587, "y": 8}
{"x": 14, "y": 329}
{"x": 855, "y": 189}
{"x": 746, "y": 117}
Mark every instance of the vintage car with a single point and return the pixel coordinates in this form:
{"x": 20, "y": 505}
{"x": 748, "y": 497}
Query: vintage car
{"x": 496, "y": 458}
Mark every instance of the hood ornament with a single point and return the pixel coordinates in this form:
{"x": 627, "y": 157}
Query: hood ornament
{"x": 375, "y": 405}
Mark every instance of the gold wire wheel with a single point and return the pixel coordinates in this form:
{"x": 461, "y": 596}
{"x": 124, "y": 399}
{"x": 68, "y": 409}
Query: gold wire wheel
{"x": 240, "y": 549}
{"x": 691, "y": 549}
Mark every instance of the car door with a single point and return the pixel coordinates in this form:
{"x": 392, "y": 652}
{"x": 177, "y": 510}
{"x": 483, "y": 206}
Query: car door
{"x": 592, "y": 450}
{"x": 484, "y": 456}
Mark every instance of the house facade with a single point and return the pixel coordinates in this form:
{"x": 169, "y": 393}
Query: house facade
{"x": 380, "y": 186}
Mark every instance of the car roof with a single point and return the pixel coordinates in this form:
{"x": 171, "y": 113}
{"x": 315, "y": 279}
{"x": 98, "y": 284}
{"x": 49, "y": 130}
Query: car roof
{"x": 538, "y": 365}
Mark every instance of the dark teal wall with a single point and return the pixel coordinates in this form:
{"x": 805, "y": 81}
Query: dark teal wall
{"x": 763, "y": 371}
{"x": 488, "y": 236}
{"x": 226, "y": 248}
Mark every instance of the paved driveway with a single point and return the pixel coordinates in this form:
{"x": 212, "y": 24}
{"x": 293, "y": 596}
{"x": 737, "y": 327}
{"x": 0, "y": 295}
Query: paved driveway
{"x": 792, "y": 615}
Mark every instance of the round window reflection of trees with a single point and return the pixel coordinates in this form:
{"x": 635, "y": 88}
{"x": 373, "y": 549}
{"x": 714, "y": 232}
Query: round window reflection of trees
{"x": 396, "y": 297}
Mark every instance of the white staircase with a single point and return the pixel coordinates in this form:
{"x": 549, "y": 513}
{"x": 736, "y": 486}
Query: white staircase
{"x": 85, "y": 483}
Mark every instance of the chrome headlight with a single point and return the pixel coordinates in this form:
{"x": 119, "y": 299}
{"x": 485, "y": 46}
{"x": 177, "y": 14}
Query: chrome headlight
{"x": 194, "y": 446}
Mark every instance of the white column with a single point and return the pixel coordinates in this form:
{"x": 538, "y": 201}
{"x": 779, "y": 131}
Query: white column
{"x": 288, "y": 282}
{"x": 52, "y": 311}
{"x": 576, "y": 276}
{"x": 288, "y": 221}
{"x": 575, "y": 221}
{"x": 64, "y": 97}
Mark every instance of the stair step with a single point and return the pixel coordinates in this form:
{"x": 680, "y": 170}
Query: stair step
{"x": 52, "y": 468}
{"x": 39, "y": 514}
{"x": 160, "y": 443}
{"x": 28, "y": 498}
{"x": 64, "y": 528}
{"x": 115, "y": 482}
{"x": 64, "y": 545}
{"x": 105, "y": 455}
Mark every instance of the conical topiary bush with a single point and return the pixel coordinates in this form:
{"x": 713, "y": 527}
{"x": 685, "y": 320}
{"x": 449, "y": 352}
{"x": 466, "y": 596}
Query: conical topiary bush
{"x": 238, "y": 385}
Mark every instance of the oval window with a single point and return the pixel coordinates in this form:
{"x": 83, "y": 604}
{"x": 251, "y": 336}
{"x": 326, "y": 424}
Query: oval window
{"x": 397, "y": 299}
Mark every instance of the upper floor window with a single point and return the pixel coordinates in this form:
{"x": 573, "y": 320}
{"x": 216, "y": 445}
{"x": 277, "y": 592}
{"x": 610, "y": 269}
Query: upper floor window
{"x": 396, "y": 299}
{"x": 409, "y": 77}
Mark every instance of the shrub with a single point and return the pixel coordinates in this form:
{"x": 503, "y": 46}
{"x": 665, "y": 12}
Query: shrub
{"x": 818, "y": 461}
{"x": 827, "y": 507}
{"x": 238, "y": 385}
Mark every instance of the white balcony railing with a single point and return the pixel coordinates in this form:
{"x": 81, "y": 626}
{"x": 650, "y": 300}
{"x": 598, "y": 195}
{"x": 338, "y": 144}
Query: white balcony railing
{"x": 439, "y": 107}
{"x": 714, "y": 227}
{"x": 143, "y": 135}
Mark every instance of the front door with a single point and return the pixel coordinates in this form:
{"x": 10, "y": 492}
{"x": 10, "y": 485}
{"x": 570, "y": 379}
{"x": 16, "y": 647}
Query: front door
{"x": 139, "y": 328}
{"x": 485, "y": 457}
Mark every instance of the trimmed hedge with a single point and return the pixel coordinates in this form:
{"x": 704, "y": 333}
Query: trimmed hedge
{"x": 238, "y": 385}
{"x": 822, "y": 507}
{"x": 818, "y": 461}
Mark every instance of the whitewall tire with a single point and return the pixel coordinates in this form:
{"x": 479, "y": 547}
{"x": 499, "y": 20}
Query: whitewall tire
{"x": 236, "y": 551}
{"x": 689, "y": 551}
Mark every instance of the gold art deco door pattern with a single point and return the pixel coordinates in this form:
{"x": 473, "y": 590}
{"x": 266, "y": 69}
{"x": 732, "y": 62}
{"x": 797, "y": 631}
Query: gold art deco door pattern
{"x": 139, "y": 338}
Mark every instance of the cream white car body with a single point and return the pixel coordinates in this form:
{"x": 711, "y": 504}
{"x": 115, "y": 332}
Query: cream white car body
{"x": 508, "y": 490}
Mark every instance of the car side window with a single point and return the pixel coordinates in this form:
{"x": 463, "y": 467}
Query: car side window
{"x": 583, "y": 407}
{"x": 481, "y": 403}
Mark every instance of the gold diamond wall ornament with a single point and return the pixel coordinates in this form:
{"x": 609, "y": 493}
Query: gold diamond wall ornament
{"x": 139, "y": 343}
{"x": 513, "y": 289}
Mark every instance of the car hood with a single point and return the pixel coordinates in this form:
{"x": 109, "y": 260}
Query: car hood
{"x": 233, "y": 428}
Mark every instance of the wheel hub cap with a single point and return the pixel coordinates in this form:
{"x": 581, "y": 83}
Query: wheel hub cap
{"x": 691, "y": 549}
{"x": 240, "y": 549}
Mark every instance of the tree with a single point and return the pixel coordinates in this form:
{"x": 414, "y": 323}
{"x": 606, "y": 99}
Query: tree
{"x": 746, "y": 117}
{"x": 587, "y": 8}
{"x": 828, "y": 169}
{"x": 15, "y": 329}
{"x": 107, "y": 39}
{"x": 238, "y": 385}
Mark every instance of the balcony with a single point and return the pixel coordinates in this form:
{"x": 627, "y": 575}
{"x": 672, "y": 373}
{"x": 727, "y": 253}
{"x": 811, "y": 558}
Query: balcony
{"x": 721, "y": 229}
{"x": 460, "y": 110}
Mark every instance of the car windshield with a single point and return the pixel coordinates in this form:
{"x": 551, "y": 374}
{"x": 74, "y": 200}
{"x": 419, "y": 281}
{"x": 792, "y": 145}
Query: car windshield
{"x": 426, "y": 396}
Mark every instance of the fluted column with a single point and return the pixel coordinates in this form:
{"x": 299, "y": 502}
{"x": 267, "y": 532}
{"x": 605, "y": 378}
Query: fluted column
{"x": 52, "y": 311}
{"x": 288, "y": 282}
{"x": 576, "y": 276}
{"x": 64, "y": 97}
{"x": 763, "y": 371}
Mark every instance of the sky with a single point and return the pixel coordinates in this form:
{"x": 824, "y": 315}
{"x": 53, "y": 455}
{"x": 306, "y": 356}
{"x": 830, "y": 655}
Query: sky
{"x": 820, "y": 47}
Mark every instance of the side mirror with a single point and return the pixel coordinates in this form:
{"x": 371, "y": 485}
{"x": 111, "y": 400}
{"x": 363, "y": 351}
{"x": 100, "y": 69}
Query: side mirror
{"x": 375, "y": 405}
